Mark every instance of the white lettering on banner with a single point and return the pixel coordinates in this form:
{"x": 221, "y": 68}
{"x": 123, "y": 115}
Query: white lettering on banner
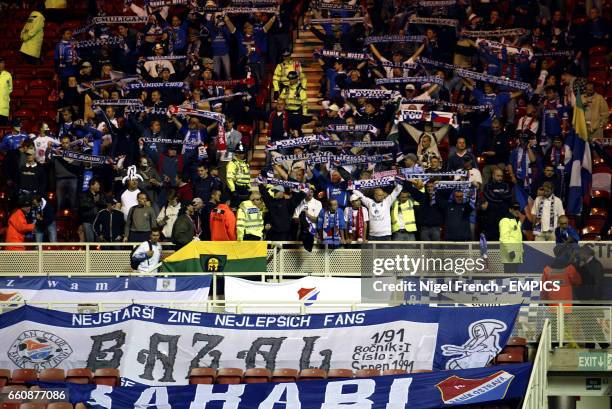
{"x": 204, "y": 394}
{"x": 185, "y": 317}
{"x": 292, "y": 399}
{"x": 398, "y": 394}
{"x": 52, "y": 283}
{"x": 99, "y": 396}
{"x": 160, "y": 396}
{"x": 86, "y": 320}
{"x": 246, "y": 321}
{"x": 74, "y": 286}
{"x": 344, "y": 319}
{"x": 101, "y": 287}
{"x": 9, "y": 283}
{"x": 335, "y": 399}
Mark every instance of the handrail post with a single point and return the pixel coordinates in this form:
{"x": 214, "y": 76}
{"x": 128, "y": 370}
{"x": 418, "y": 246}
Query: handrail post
{"x": 40, "y": 258}
{"x": 214, "y": 285}
{"x": 87, "y": 258}
{"x": 560, "y": 324}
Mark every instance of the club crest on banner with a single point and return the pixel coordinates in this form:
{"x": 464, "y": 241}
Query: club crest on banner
{"x": 212, "y": 262}
{"x": 166, "y": 284}
{"x": 38, "y": 350}
{"x": 457, "y": 390}
{"x": 309, "y": 295}
{"x": 479, "y": 349}
{"x": 10, "y": 297}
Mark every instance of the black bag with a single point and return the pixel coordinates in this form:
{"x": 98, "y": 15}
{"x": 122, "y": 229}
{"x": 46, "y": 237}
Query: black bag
{"x": 135, "y": 263}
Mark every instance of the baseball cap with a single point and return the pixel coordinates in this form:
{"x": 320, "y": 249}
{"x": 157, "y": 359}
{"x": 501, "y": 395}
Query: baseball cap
{"x": 278, "y": 188}
{"x": 354, "y": 197}
{"x": 410, "y": 86}
{"x": 334, "y": 107}
{"x": 197, "y": 201}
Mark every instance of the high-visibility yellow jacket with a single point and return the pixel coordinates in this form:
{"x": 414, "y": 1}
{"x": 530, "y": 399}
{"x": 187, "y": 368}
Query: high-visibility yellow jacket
{"x": 511, "y": 240}
{"x": 56, "y": 4}
{"x": 284, "y": 68}
{"x": 6, "y": 87}
{"x": 295, "y": 98}
{"x": 32, "y": 34}
{"x": 238, "y": 174}
{"x": 402, "y": 216}
{"x": 250, "y": 220}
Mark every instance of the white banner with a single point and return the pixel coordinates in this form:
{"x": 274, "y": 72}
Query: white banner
{"x": 118, "y": 291}
{"x": 154, "y": 345}
{"x": 309, "y": 290}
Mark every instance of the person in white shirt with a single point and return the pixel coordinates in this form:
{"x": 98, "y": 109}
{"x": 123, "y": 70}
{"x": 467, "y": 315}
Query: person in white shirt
{"x": 168, "y": 214}
{"x": 356, "y": 221}
{"x": 129, "y": 197}
{"x": 546, "y": 208}
{"x": 379, "y": 210}
{"x": 149, "y": 252}
{"x": 42, "y": 142}
{"x": 155, "y": 67}
{"x": 311, "y": 206}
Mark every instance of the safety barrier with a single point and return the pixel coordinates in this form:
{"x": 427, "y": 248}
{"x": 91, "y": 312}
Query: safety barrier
{"x": 284, "y": 258}
{"x": 578, "y": 324}
{"x": 536, "y": 396}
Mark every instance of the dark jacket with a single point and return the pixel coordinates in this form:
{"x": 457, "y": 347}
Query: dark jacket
{"x": 89, "y": 206}
{"x": 498, "y": 196}
{"x": 48, "y": 216}
{"x": 457, "y": 220}
{"x": 109, "y": 225}
{"x": 203, "y": 187}
{"x": 280, "y": 210}
{"x": 32, "y": 179}
{"x": 183, "y": 230}
{"x": 427, "y": 214}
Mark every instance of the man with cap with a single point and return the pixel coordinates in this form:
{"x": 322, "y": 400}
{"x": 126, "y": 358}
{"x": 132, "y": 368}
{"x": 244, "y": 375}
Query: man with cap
{"x": 239, "y": 176}
{"x": 184, "y": 230}
{"x": 280, "y": 79}
{"x": 154, "y": 67}
{"x": 6, "y": 87}
{"x": 109, "y": 224}
{"x": 296, "y": 100}
{"x": 18, "y": 225}
{"x": 85, "y": 72}
{"x": 31, "y": 178}
{"x": 280, "y": 210}
{"x": 250, "y": 225}
{"x": 356, "y": 219}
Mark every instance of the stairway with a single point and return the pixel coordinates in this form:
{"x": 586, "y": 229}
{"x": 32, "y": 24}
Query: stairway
{"x": 303, "y": 48}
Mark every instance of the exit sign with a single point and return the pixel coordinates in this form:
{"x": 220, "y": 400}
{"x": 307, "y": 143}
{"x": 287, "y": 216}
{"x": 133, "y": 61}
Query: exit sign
{"x": 595, "y": 361}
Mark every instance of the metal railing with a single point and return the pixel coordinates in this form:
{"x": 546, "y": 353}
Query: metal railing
{"x": 284, "y": 258}
{"x": 536, "y": 396}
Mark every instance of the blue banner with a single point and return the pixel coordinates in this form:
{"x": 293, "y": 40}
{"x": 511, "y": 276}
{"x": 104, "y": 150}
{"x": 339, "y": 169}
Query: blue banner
{"x": 418, "y": 391}
{"x": 100, "y": 289}
{"x": 154, "y": 345}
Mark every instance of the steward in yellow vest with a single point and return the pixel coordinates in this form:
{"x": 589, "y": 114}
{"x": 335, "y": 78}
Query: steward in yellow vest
{"x": 239, "y": 176}
{"x": 250, "y": 225}
{"x": 511, "y": 239}
{"x": 403, "y": 219}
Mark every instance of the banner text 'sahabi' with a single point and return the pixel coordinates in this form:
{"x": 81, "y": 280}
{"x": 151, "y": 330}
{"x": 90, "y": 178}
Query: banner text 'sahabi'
{"x": 154, "y": 345}
{"x": 418, "y": 391}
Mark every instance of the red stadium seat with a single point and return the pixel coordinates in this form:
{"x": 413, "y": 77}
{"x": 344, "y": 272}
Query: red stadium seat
{"x": 598, "y": 213}
{"x": 598, "y": 50}
{"x": 285, "y": 375}
{"x": 339, "y": 373}
{"x": 202, "y": 376}
{"x": 60, "y": 405}
{"x": 229, "y": 376}
{"x": 23, "y": 375}
{"x": 45, "y": 73}
{"x": 20, "y": 84}
{"x": 52, "y": 375}
{"x": 257, "y": 375}
{"x": 395, "y": 372}
{"x": 367, "y": 373}
{"x": 312, "y": 374}
{"x": 24, "y": 113}
{"x": 5, "y": 376}
{"x": 37, "y": 83}
{"x": 39, "y": 92}
{"x": 32, "y": 405}
{"x": 598, "y": 77}
{"x": 504, "y": 359}
{"x": 107, "y": 376}
{"x": 18, "y": 93}
{"x": 516, "y": 346}
{"x": 79, "y": 375}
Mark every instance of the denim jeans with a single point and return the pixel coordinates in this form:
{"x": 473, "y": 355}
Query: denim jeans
{"x": 90, "y": 234}
{"x": 66, "y": 190}
{"x": 50, "y": 231}
{"x": 430, "y": 233}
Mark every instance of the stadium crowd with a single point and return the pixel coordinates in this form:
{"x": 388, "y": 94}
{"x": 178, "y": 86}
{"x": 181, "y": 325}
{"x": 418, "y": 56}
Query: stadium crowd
{"x": 439, "y": 120}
